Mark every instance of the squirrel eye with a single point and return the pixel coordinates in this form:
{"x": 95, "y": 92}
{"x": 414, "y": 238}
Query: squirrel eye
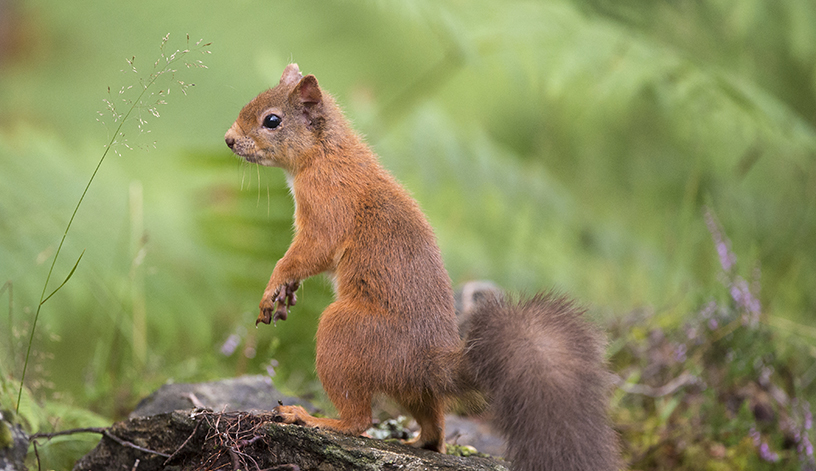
{"x": 271, "y": 121}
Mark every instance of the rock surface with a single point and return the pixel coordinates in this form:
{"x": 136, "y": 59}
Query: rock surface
{"x": 245, "y": 393}
{"x": 13, "y": 446}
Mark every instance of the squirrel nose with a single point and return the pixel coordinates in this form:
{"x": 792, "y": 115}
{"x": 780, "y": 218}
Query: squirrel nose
{"x": 230, "y": 142}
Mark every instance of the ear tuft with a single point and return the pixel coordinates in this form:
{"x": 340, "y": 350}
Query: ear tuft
{"x": 308, "y": 91}
{"x": 291, "y": 75}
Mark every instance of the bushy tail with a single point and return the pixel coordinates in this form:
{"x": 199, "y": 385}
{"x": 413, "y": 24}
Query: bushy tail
{"x": 541, "y": 366}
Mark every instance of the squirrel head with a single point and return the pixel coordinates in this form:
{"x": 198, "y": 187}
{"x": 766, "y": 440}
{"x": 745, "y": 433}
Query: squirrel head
{"x": 281, "y": 125}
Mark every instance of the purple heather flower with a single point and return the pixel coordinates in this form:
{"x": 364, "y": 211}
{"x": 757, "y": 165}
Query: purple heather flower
{"x": 680, "y": 353}
{"x": 270, "y": 367}
{"x": 727, "y": 258}
{"x": 754, "y": 434}
{"x": 764, "y": 449}
{"x": 229, "y": 346}
{"x": 801, "y": 434}
{"x": 691, "y": 333}
{"x": 766, "y": 454}
{"x": 745, "y": 299}
{"x": 708, "y": 310}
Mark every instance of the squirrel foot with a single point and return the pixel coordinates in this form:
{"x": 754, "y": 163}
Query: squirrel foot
{"x": 435, "y": 444}
{"x": 295, "y": 415}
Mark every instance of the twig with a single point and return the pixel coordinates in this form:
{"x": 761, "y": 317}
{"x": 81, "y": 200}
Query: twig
{"x": 257, "y": 466}
{"x": 183, "y": 444}
{"x": 128, "y": 444}
{"x": 73, "y": 431}
{"x": 218, "y": 421}
{"x": 668, "y": 388}
{"x": 244, "y": 443}
{"x": 193, "y": 399}
{"x": 37, "y": 454}
{"x": 236, "y": 465}
{"x": 100, "y": 430}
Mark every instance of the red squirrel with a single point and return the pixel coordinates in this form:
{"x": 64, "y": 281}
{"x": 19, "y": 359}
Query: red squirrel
{"x": 392, "y": 329}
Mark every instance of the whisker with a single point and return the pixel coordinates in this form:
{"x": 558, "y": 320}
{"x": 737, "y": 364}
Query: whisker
{"x": 258, "y": 169}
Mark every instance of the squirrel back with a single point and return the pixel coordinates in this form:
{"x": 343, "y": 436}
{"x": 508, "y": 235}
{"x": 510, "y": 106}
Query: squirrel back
{"x": 541, "y": 367}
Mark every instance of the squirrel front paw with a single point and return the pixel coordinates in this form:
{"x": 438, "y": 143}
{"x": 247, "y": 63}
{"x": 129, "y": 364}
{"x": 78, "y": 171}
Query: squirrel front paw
{"x": 275, "y": 305}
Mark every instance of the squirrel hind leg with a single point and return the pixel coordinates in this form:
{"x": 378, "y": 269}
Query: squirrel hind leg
{"x": 430, "y": 416}
{"x": 355, "y": 416}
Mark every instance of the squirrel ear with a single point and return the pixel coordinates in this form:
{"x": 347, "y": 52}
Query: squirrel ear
{"x": 291, "y": 74}
{"x": 308, "y": 91}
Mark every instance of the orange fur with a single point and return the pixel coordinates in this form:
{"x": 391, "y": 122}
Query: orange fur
{"x": 392, "y": 328}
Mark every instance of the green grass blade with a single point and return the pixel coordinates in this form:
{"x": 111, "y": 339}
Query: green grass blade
{"x": 66, "y": 279}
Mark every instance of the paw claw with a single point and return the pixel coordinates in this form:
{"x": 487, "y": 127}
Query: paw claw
{"x": 281, "y": 314}
{"x": 275, "y": 306}
{"x": 289, "y": 415}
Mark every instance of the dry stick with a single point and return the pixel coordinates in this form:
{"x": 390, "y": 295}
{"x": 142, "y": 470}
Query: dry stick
{"x": 72, "y": 431}
{"x": 37, "y": 454}
{"x": 244, "y": 442}
{"x": 668, "y": 388}
{"x": 126, "y": 443}
{"x": 257, "y": 466}
{"x": 235, "y": 462}
{"x": 182, "y": 445}
{"x": 230, "y": 444}
{"x": 194, "y": 400}
{"x": 101, "y": 431}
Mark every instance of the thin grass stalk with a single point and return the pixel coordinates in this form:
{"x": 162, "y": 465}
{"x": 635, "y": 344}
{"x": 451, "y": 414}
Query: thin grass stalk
{"x": 43, "y": 297}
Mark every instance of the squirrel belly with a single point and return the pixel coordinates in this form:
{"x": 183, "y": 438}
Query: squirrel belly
{"x": 392, "y": 328}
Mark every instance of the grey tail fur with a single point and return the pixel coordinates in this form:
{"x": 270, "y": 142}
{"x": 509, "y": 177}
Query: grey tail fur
{"x": 541, "y": 366}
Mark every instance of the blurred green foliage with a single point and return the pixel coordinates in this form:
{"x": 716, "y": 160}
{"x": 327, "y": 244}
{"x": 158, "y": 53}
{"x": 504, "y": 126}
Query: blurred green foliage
{"x": 723, "y": 391}
{"x": 567, "y": 143}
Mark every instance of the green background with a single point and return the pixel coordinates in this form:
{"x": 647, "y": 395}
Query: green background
{"x": 567, "y": 144}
